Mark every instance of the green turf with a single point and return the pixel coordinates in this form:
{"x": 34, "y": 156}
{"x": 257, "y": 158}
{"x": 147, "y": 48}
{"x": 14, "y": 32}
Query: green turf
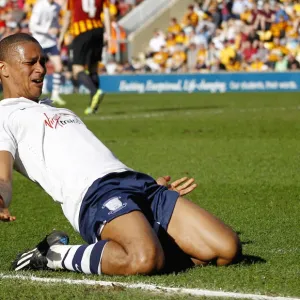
{"x": 243, "y": 150}
{"x": 30, "y": 291}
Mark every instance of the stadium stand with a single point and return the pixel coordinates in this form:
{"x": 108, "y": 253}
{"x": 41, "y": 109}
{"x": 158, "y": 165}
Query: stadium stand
{"x": 239, "y": 35}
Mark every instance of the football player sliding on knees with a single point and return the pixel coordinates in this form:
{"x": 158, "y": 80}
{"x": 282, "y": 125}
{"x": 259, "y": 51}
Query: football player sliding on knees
{"x": 130, "y": 222}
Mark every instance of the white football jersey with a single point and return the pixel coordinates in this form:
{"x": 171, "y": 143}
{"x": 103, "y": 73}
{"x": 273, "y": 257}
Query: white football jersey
{"x": 45, "y": 15}
{"x": 53, "y": 147}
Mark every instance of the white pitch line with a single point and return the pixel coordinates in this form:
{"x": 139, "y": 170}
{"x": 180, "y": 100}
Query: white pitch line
{"x": 148, "y": 287}
{"x": 211, "y": 111}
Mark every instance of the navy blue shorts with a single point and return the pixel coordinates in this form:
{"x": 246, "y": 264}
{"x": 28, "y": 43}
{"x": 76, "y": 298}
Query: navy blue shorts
{"x": 117, "y": 194}
{"x": 51, "y": 51}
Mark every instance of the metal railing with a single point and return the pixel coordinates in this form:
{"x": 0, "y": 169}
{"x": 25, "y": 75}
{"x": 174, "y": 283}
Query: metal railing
{"x": 138, "y": 16}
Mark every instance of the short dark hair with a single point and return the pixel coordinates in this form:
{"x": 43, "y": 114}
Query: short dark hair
{"x": 8, "y": 42}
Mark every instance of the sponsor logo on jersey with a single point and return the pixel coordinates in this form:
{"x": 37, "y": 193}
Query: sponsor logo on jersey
{"x": 61, "y": 120}
{"x": 113, "y": 205}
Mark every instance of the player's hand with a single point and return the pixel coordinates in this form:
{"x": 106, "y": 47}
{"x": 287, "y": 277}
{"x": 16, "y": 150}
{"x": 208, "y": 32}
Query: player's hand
{"x": 5, "y": 215}
{"x": 53, "y": 31}
{"x": 59, "y": 43}
{"x": 183, "y": 185}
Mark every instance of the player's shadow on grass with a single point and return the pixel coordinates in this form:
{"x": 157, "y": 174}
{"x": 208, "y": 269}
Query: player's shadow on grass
{"x": 177, "y": 261}
{"x": 251, "y": 260}
{"x": 183, "y": 108}
{"x": 171, "y": 109}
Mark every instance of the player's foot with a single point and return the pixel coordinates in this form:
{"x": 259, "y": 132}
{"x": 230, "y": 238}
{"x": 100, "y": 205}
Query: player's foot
{"x": 96, "y": 101}
{"x": 88, "y": 111}
{"x": 58, "y": 100}
{"x": 35, "y": 259}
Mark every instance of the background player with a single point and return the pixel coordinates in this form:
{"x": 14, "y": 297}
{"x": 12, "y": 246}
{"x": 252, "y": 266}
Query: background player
{"x": 83, "y": 19}
{"x": 44, "y": 26}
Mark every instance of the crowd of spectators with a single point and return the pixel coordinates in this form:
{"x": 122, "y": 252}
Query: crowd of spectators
{"x": 212, "y": 36}
{"x": 15, "y": 14}
{"x": 224, "y": 35}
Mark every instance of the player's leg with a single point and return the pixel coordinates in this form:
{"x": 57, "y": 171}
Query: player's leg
{"x": 81, "y": 52}
{"x": 114, "y": 219}
{"x": 81, "y": 75}
{"x": 201, "y": 235}
{"x": 93, "y": 59}
{"x": 69, "y": 66}
{"x": 133, "y": 246}
{"x": 98, "y": 97}
{"x": 54, "y": 57}
{"x": 128, "y": 246}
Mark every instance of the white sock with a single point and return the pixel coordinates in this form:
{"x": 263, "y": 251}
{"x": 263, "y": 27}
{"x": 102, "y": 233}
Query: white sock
{"x": 55, "y": 256}
{"x": 78, "y": 258}
{"x": 56, "y": 84}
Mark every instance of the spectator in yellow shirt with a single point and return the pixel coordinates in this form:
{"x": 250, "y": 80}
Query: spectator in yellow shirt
{"x": 257, "y": 65}
{"x": 190, "y": 18}
{"x": 201, "y": 58}
{"x": 178, "y": 59}
{"x": 202, "y": 53}
{"x": 170, "y": 42}
{"x": 276, "y": 50}
{"x": 160, "y": 58}
{"x": 181, "y": 38}
{"x": 227, "y": 53}
{"x": 201, "y": 65}
{"x": 291, "y": 30}
{"x": 297, "y": 8}
{"x": 174, "y": 27}
{"x": 279, "y": 29}
{"x": 246, "y": 16}
{"x": 233, "y": 65}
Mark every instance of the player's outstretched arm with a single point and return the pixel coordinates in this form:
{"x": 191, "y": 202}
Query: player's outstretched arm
{"x": 6, "y": 166}
{"x": 183, "y": 185}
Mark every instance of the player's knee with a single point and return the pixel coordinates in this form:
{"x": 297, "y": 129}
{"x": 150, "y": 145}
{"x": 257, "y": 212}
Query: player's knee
{"x": 147, "y": 261}
{"x": 231, "y": 250}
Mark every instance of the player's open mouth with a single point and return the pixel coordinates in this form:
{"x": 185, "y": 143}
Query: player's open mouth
{"x": 38, "y": 82}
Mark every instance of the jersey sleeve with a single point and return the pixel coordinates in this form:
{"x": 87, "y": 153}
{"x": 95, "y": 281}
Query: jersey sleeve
{"x": 7, "y": 141}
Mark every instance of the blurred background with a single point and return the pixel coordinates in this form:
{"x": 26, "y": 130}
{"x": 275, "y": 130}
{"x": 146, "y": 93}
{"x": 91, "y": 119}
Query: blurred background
{"x": 186, "y": 36}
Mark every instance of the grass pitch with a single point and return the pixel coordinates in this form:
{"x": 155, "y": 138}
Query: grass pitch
{"x": 242, "y": 149}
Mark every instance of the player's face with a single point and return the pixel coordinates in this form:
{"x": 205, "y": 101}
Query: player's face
{"x": 27, "y": 70}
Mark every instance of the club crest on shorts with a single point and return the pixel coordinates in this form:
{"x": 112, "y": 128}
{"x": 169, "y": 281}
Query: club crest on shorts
{"x": 113, "y": 204}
